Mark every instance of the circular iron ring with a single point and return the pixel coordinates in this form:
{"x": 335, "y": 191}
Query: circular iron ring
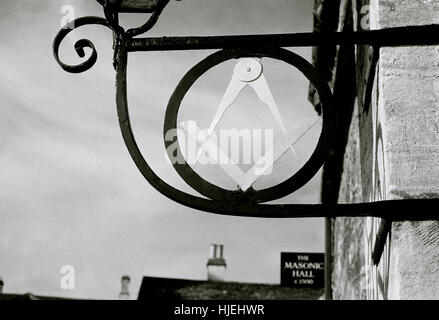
{"x": 301, "y": 177}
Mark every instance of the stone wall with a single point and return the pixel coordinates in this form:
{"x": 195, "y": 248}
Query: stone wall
{"x": 348, "y": 274}
{"x": 410, "y": 102}
{"x": 392, "y": 153}
{"x": 348, "y": 251}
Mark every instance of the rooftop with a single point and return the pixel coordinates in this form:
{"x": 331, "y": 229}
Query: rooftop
{"x": 180, "y": 289}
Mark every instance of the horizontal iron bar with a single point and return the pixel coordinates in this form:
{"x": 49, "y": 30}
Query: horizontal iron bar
{"x": 392, "y": 210}
{"x": 392, "y": 37}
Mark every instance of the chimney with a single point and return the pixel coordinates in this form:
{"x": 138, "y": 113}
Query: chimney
{"x": 125, "y": 292}
{"x": 216, "y": 265}
{"x": 1, "y": 285}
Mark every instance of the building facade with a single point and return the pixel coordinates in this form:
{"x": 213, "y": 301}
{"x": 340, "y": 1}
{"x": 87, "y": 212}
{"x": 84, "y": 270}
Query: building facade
{"x": 387, "y": 148}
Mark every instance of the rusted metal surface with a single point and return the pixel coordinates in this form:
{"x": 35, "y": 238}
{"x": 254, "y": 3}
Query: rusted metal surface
{"x": 250, "y": 203}
{"x": 392, "y": 37}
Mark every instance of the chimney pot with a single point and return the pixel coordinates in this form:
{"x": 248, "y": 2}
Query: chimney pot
{"x": 216, "y": 265}
{"x": 125, "y": 292}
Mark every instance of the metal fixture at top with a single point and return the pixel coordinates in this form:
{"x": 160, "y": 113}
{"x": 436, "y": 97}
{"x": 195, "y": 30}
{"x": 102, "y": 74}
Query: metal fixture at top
{"x": 139, "y": 6}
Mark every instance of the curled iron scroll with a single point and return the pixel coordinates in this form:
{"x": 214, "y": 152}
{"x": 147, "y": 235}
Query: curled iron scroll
{"x": 110, "y": 21}
{"x": 80, "y": 45}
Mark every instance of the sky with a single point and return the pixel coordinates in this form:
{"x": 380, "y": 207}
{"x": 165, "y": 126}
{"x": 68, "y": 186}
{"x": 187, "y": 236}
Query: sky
{"x": 70, "y": 193}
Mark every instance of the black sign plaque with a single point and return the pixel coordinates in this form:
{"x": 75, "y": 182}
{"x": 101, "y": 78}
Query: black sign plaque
{"x": 302, "y": 270}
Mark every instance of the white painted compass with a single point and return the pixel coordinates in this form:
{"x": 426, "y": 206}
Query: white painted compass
{"x": 248, "y": 71}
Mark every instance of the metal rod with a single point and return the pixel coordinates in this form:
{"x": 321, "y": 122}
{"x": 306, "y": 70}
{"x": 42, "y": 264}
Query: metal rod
{"x": 380, "y": 241}
{"x": 328, "y": 259}
{"x": 392, "y": 37}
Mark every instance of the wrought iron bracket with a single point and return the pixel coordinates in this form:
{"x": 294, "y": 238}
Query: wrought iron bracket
{"x": 251, "y": 203}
